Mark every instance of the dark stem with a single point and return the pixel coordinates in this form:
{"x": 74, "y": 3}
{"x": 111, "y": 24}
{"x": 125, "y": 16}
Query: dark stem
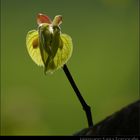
{"x": 81, "y": 99}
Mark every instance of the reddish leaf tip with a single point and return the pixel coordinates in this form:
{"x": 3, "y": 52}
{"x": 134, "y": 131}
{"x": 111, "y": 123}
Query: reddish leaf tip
{"x": 41, "y": 18}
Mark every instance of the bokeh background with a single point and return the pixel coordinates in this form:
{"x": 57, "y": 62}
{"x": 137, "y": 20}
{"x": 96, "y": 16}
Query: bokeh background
{"x": 104, "y": 65}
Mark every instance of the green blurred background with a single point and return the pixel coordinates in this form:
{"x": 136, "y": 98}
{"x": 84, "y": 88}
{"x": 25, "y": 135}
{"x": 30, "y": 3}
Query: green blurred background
{"x": 104, "y": 65}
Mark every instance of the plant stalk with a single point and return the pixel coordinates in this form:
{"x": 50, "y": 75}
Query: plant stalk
{"x": 86, "y": 107}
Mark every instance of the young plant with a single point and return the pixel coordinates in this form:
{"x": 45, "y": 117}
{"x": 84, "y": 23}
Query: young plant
{"x": 50, "y": 48}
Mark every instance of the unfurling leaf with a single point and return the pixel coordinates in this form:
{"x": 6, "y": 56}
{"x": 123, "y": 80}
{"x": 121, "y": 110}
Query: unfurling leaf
{"x": 47, "y": 46}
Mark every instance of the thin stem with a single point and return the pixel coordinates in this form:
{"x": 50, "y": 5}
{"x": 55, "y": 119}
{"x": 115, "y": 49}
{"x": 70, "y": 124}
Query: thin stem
{"x": 81, "y": 99}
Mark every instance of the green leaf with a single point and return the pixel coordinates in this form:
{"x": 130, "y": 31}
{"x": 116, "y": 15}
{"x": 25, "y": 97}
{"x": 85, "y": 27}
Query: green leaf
{"x": 48, "y": 47}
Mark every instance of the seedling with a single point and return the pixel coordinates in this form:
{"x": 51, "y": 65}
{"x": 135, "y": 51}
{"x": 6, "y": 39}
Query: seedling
{"x": 50, "y": 48}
